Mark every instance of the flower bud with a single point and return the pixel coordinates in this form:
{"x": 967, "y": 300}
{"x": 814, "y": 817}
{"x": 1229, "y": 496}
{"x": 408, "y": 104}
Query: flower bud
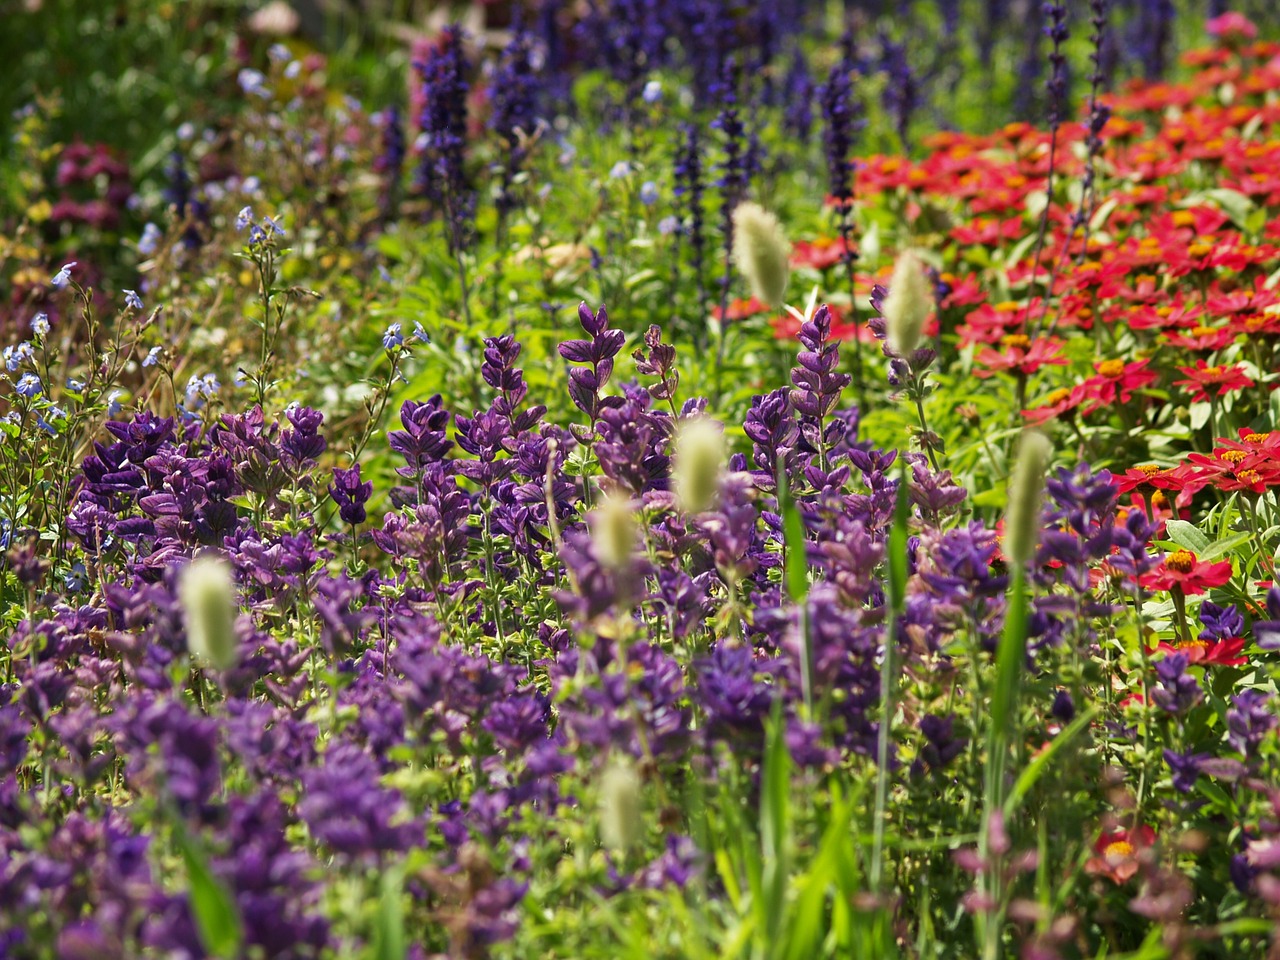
{"x": 698, "y": 463}
{"x": 907, "y": 305}
{"x": 613, "y": 530}
{"x": 206, "y": 591}
{"x": 1022, "y": 516}
{"x": 621, "y": 812}
{"x": 762, "y": 252}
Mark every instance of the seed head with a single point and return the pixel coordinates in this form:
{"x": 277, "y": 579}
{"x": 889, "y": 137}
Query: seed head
{"x": 762, "y": 252}
{"x": 613, "y": 529}
{"x": 698, "y": 463}
{"x": 621, "y": 812}
{"x": 206, "y": 592}
{"x": 1022, "y": 516}
{"x": 907, "y": 305}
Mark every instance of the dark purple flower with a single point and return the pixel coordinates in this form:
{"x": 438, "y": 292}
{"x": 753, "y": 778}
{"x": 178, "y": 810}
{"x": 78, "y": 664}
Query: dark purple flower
{"x": 1185, "y": 768}
{"x": 1249, "y": 719}
{"x": 350, "y": 494}
{"x": 1178, "y": 691}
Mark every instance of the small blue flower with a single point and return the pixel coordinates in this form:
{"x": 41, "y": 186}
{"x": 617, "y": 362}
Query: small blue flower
{"x": 620, "y": 169}
{"x": 652, "y": 91}
{"x": 40, "y": 324}
{"x": 152, "y": 357}
{"x": 16, "y": 356}
{"x": 648, "y": 193}
{"x": 273, "y": 226}
{"x": 280, "y": 53}
{"x": 209, "y": 386}
{"x": 186, "y": 130}
{"x": 74, "y": 385}
{"x": 256, "y": 235}
{"x": 63, "y": 276}
{"x": 114, "y": 406}
{"x": 74, "y": 579}
{"x": 244, "y": 218}
{"x": 253, "y": 82}
{"x": 393, "y": 338}
{"x": 132, "y": 300}
{"x": 29, "y": 386}
{"x": 420, "y": 333}
{"x": 668, "y": 226}
{"x": 149, "y": 242}
{"x": 293, "y": 69}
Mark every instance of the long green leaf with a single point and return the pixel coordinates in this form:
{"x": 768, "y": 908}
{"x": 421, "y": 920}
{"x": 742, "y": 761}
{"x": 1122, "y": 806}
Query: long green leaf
{"x": 215, "y": 913}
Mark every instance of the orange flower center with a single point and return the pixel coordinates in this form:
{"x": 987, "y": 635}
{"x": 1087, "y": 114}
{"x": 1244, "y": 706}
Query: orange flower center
{"x": 1159, "y": 500}
{"x": 1199, "y": 250}
{"x": 1257, "y": 437}
{"x": 1212, "y": 371}
{"x": 1193, "y": 645}
{"x": 1018, "y": 340}
{"x": 1181, "y": 561}
{"x": 1249, "y": 476}
{"x": 1202, "y": 331}
{"x": 1150, "y": 469}
{"x": 1111, "y": 368}
{"x": 1233, "y": 456}
{"x": 1056, "y": 396}
{"x": 1118, "y": 850}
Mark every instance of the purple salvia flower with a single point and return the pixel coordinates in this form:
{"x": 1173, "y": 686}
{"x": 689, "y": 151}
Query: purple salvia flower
{"x": 1177, "y": 691}
{"x": 350, "y": 494}
{"x": 1249, "y": 719}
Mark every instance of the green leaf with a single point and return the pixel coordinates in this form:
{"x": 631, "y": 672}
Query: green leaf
{"x": 390, "y": 938}
{"x": 1219, "y": 547}
{"x": 216, "y": 916}
{"x": 1187, "y": 535}
{"x": 1036, "y": 768}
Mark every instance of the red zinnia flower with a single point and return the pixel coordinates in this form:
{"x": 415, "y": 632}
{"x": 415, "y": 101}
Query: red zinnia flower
{"x": 1223, "y": 653}
{"x": 1202, "y": 376}
{"x": 821, "y": 254}
{"x": 1021, "y": 353}
{"x": 740, "y": 309}
{"x": 1183, "y": 570}
{"x": 1116, "y": 380}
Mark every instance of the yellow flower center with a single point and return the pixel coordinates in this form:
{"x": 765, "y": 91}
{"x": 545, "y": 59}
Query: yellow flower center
{"x": 1111, "y": 368}
{"x": 1257, "y": 437}
{"x": 1212, "y": 371}
{"x": 1249, "y": 476}
{"x": 1183, "y": 218}
{"x": 1181, "y": 561}
{"x": 1015, "y": 340}
{"x": 1199, "y": 331}
{"x": 1159, "y": 500}
{"x": 1150, "y": 469}
{"x": 1199, "y": 249}
{"x": 1119, "y": 850}
{"x": 1234, "y": 456}
{"x": 1056, "y": 396}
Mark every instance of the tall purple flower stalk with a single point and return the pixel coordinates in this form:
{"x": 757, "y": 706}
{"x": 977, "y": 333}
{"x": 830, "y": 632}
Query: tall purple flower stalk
{"x": 841, "y": 123}
{"x": 442, "y": 173}
{"x": 689, "y": 187}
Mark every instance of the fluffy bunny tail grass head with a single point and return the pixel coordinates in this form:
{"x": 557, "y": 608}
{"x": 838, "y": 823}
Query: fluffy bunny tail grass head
{"x": 762, "y": 252}
{"x": 206, "y": 591}
{"x": 1026, "y": 488}
{"x": 907, "y": 305}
